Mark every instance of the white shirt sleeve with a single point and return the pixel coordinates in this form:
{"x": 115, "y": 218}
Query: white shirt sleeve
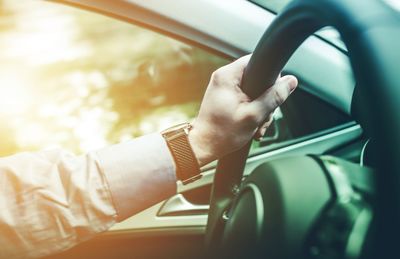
{"x": 53, "y": 200}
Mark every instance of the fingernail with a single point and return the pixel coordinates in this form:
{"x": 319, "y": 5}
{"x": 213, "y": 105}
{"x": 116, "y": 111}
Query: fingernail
{"x": 292, "y": 82}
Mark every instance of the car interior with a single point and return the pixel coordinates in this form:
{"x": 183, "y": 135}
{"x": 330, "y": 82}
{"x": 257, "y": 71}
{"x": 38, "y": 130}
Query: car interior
{"x": 322, "y": 182}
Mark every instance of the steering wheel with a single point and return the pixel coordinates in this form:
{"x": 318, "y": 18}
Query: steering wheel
{"x": 312, "y": 206}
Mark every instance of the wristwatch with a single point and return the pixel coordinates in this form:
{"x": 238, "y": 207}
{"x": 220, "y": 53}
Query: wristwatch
{"x": 187, "y": 167}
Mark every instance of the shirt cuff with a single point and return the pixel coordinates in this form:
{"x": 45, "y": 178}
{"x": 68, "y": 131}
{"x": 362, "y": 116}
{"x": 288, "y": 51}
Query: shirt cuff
{"x": 140, "y": 173}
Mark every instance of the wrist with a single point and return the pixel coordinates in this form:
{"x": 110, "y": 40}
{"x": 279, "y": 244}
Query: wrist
{"x": 187, "y": 165}
{"x": 200, "y": 146}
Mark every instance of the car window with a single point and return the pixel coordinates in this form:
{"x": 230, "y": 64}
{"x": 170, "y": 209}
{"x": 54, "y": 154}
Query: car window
{"x": 79, "y": 80}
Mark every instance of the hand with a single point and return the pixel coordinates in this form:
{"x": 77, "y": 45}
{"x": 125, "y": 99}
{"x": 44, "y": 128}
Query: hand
{"x": 228, "y": 118}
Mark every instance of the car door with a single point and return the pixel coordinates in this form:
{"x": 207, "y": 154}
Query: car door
{"x": 314, "y": 121}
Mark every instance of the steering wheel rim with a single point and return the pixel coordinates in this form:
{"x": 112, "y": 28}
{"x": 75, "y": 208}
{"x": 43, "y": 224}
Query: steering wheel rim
{"x": 371, "y": 57}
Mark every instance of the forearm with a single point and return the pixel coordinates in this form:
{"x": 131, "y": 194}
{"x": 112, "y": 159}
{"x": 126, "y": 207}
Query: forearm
{"x": 53, "y": 200}
{"x": 50, "y": 201}
{"x": 140, "y": 173}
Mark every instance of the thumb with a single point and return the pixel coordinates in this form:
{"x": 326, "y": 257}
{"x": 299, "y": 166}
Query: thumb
{"x": 274, "y": 96}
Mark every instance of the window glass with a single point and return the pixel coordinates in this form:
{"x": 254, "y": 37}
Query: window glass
{"x": 306, "y": 114}
{"x": 81, "y": 80}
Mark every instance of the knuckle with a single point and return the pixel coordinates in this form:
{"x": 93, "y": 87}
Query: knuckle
{"x": 216, "y": 76}
{"x": 278, "y": 98}
{"x": 251, "y": 118}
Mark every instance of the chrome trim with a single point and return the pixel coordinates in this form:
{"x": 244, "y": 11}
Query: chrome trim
{"x": 363, "y": 153}
{"x": 177, "y": 205}
{"x": 148, "y": 219}
{"x": 353, "y": 131}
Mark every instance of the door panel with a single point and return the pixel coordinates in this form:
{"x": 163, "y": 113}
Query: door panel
{"x": 160, "y": 243}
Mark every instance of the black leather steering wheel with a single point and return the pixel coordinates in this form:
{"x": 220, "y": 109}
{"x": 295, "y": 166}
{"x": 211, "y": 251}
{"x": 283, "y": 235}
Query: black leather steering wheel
{"x": 242, "y": 218}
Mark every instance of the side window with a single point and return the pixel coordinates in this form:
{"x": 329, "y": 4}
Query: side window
{"x": 306, "y": 114}
{"x": 81, "y": 80}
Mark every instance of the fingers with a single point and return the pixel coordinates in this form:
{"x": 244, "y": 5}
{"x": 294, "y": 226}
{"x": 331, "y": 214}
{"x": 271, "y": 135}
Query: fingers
{"x": 273, "y": 97}
{"x": 237, "y": 67}
{"x": 263, "y": 128}
{"x": 242, "y": 62}
{"x": 230, "y": 76}
{"x": 278, "y": 93}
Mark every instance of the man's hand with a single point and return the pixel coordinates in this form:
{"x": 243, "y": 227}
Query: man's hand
{"x": 228, "y": 118}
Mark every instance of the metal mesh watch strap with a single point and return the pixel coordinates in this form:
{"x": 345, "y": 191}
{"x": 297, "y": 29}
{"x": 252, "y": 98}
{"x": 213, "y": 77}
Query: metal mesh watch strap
{"x": 187, "y": 167}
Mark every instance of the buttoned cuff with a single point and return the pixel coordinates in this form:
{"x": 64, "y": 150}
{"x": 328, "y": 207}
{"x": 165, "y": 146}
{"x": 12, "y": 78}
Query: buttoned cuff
{"x": 140, "y": 173}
